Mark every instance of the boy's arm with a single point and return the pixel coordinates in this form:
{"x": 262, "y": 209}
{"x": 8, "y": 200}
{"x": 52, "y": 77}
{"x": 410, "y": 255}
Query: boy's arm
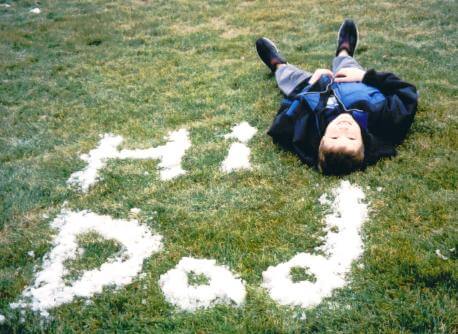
{"x": 396, "y": 116}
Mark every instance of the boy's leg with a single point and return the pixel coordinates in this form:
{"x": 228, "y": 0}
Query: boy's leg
{"x": 289, "y": 77}
{"x": 347, "y": 40}
{"x": 340, "y": 62}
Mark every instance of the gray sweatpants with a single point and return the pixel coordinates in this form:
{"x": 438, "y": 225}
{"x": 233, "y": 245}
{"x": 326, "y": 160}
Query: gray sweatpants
{"x": 289, "y": 76}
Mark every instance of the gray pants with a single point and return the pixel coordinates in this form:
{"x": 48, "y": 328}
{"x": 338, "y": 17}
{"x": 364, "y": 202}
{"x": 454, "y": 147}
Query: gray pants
{"x": 289, "y": 76}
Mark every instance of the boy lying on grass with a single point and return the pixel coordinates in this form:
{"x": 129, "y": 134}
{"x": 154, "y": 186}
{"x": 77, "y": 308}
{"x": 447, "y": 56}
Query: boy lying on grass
{"x": 341, "y": 120}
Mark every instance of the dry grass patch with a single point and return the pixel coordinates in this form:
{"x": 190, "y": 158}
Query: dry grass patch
{"x": 219, "y": 24}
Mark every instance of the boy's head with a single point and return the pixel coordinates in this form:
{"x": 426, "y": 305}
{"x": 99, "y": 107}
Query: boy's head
{"x": 341, "y": 149}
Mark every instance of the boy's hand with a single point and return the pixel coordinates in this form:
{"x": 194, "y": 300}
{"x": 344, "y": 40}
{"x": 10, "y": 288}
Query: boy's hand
{"x": 349, "y": 75}
{"x": 318, "y": 73}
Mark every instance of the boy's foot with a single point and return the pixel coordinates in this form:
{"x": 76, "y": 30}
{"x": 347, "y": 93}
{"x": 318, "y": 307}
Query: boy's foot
{"x": 347, "y": 37}
{"x": 269, "y": 53}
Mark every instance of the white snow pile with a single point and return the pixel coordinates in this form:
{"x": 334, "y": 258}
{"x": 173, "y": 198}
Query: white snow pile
{"x": 135, "y": 211}
{"x": 49, "y": 288}
{"x": 223, "y": 287}
{"x": 440, "y": 255}
{"x": 2, "y": 319}
{"x": 96, "y": 159}
{"x": 170, "y": 155}
{"x": 238, "y": 158}
{"x": 243, "y": 132}
{"x": 239, "y": 154}
{"x": 35, "y": 10}
{"x": 342, "y": 245}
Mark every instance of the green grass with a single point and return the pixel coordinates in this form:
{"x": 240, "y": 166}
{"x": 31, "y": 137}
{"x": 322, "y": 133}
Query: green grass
{"x": 301, "y": 274}
{"x": 97, "y": 250}
{"x": 195, "y": 279}
{"x": 143, "y": 68}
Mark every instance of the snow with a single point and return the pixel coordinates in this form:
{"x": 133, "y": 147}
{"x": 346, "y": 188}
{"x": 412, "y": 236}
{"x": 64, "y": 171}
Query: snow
{"x": 35, "y": 10}
{"x": 243, "y": 132}
{"x": 223, "y": 287}
{"x": 96, "y": 159}
{"x": 2, "y": 319}
{"x": 342, "y": 245}
{"x": 31, "y": 253}
{"x": 49, "y": 288}
{"x": 440, "y": 255}
{"x": 170, "y": 156}
{"x": 238, "y": 157}
{"x": 135, "y": 211}
{"x": 324, "y": 200}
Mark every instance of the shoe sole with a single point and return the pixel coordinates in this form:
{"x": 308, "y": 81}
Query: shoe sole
{"x": 357, "y": 37}
{"x": 275, "y": 46}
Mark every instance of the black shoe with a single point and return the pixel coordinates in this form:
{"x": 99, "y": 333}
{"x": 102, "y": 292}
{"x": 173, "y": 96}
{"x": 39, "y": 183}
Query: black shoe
{"x": 269, "y": 53}
{"x": 347, "y": 37}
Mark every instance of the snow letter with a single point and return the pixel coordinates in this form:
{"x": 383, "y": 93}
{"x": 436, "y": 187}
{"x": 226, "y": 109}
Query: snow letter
{"x": 222, "y": 286}
{"x": 50, "y": 289}
{"x": 170, "y": 155}
{"x": 343, "y": 244}
{"x": 239, "y": 154}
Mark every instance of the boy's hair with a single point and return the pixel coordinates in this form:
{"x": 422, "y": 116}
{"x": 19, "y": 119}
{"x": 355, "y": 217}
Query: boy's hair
{"x": 332, "y": 162}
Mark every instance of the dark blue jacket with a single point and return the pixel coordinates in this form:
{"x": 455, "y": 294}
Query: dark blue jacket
{"x": 382, "y": 104}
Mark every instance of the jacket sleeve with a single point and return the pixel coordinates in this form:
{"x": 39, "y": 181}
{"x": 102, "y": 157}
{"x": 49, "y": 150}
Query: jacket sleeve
{"x": 293, "y": 129}
{"x": 394, "y": 118}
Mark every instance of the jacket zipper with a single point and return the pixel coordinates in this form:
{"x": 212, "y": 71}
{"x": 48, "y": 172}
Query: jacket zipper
{"x": 337, "y": 98}
{"x": 341, "y": 103}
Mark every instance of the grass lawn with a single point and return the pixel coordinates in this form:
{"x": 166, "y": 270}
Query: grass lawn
{"x": 140, "y": 69}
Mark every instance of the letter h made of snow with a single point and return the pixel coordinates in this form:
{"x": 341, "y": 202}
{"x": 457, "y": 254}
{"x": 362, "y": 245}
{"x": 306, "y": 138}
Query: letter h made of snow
{"x": 170, "y": 156}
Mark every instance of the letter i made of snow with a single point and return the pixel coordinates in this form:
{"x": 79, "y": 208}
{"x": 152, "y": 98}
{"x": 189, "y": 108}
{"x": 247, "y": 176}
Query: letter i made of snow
{"x": 238, "y": 157}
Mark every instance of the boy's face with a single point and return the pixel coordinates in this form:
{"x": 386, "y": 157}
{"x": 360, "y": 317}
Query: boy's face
{"x": 343, "y": 134}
